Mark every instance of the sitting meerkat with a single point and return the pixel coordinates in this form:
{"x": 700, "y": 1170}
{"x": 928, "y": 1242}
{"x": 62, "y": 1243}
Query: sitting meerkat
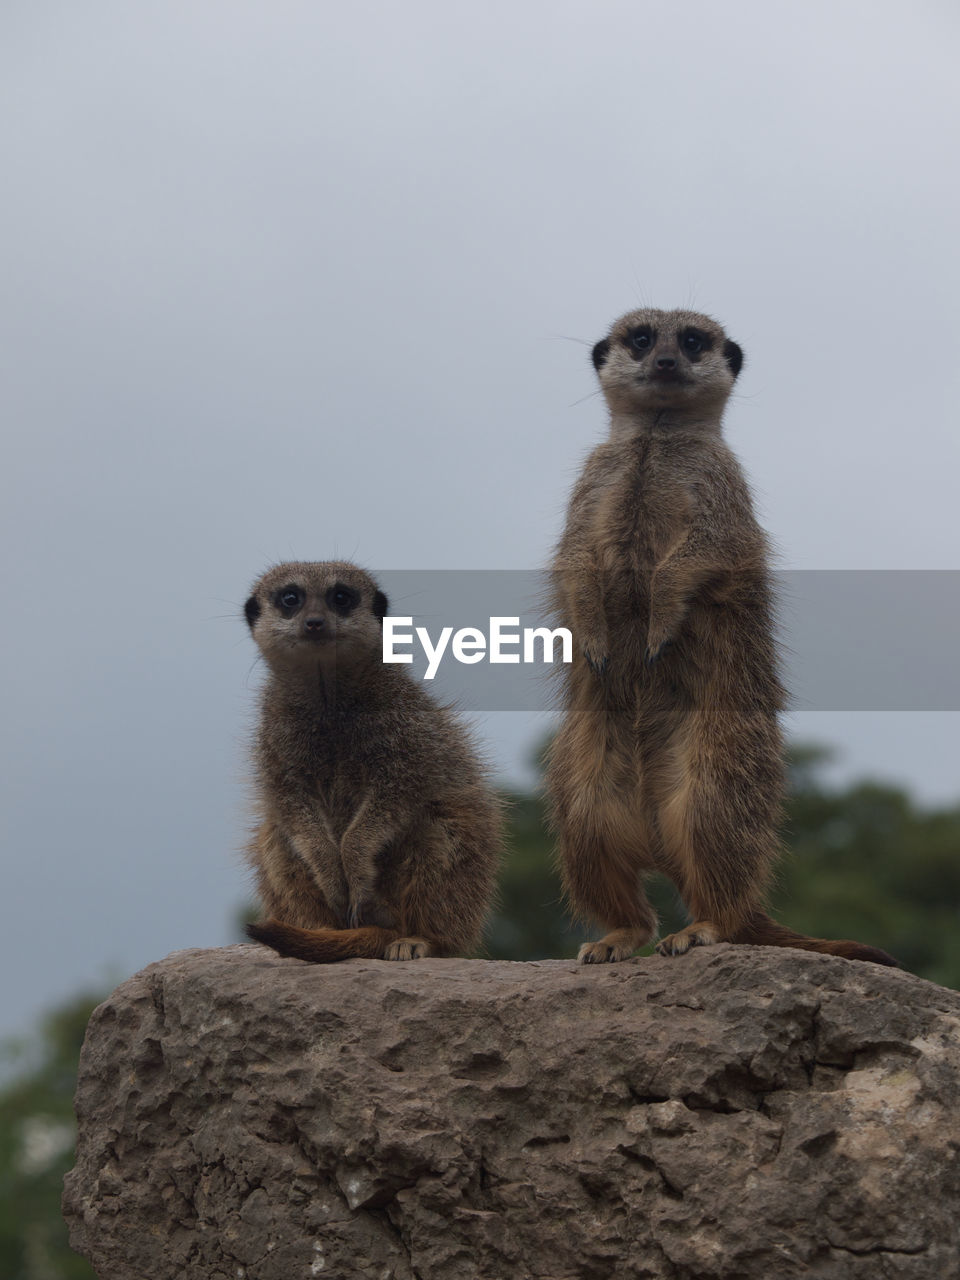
{"x": 669, "y": 757}
{"x": 379, "y": 833}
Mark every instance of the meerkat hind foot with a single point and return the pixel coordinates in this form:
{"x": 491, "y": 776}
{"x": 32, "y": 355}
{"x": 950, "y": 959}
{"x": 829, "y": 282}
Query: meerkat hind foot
{"x": 407, "y": 949}
{"x": 616, "y": 946}
{"x": 702, "y": 933}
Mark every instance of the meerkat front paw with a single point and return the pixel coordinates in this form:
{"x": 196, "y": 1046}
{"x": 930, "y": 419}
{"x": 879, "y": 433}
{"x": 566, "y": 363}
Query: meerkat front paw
{"x": 363, "y": 909}
{"x": 659, "y": 639}
{"x": 654, "y": 654}
{"x": 597, "y": 661}
{"x": 407, "y": 949}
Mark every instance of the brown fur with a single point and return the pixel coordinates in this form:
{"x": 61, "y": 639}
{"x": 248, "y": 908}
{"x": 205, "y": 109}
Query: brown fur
{"x": 379, "y": 834}
{"x": 669, "y": 757}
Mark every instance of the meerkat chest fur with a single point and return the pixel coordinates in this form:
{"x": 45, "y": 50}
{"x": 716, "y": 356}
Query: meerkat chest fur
{"x": 320, "y": 750}
{"x": 643, "y": 504}
{"x": 354, "y": 748}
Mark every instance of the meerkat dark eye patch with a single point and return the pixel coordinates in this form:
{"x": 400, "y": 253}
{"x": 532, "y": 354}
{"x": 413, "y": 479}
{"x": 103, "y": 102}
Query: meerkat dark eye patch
{"x": 693, "y": 342}
{"x": 381, "y": 605}
{"x": 641, "y": 339}
{"x": 342, "y": 599}
{"x": 733, "y": 356}
{"x": 251, "y": 611}
{"x": 599, "y": 353}
{"x": 289, "y": 599}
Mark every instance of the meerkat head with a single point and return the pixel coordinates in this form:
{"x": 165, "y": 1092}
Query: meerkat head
{"x": 309, "y": 615}
{"x": 667, "y": 360}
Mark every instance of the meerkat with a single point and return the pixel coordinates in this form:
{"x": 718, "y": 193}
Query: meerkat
{"x": 669, "y": 756}
{"x": 379, "y": 834}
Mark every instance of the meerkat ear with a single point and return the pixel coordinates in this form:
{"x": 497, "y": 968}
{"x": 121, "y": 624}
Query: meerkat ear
{"x": 381, "y": 605}
{"x": 252, "y": 611}
{"x": 734, "y": 356}
{"x": 599, "y": 353}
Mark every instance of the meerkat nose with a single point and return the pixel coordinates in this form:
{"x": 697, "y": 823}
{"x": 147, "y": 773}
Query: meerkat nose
{"x": 313, "y": 624}
{"x": 666, "y": 362}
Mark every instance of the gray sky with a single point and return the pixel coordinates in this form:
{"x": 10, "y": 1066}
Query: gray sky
{"x": 294, "y": 280}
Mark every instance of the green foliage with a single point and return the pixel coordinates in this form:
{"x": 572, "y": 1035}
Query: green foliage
{"x": 37, "y": 1135}
{"x": 530, "y": 921}
{"x": 867, "y": 862}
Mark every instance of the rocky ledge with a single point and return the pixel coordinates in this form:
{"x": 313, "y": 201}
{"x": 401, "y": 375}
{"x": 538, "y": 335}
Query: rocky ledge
{"x": 740, "y": 1112}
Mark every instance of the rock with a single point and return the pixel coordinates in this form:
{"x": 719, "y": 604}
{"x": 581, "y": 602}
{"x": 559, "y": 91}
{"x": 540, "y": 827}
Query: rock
{"x": 740, "y": 1112}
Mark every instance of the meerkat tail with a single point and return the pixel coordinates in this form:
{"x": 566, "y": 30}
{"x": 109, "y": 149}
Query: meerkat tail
{"x": 763, "y": 931}
{"x": 323, "y": 946}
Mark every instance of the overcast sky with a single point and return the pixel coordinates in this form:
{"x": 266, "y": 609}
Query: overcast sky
{"x": 297, "y": 280}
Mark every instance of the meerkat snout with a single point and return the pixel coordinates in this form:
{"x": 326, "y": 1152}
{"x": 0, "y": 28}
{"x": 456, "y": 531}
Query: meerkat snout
{"x": 665, "y": 368}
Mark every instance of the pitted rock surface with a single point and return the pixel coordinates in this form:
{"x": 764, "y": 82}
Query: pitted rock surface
{"x": 738, "y": 1112}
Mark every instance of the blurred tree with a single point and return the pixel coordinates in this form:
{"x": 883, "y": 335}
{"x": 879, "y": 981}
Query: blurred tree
{"x": 867, "y": 862}
{"x": 529, "y": 922}
{"x": 37, "y": 1135}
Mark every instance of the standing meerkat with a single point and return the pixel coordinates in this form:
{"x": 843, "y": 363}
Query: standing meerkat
{"x": 379, "y": 833}
{"x": 669, "y": 757}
